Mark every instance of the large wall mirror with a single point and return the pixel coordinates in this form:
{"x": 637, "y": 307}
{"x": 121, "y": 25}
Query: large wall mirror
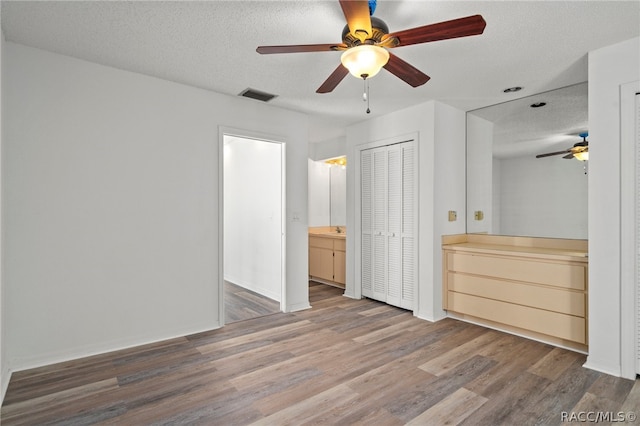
{"x": 509, "y": 190}
{"x": 327, "y": 194}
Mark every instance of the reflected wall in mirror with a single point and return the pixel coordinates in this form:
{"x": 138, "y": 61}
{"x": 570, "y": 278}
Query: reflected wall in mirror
{"x": 517, "y": 193}
{"x": 327, "y": 194}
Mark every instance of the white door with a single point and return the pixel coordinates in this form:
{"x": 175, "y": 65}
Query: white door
{"x": 379, "y": 224}
{"x": 387, "y": 176}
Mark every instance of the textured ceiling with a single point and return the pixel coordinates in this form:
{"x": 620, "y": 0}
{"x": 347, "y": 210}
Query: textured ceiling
{"x": 520, "y": 129}
{"x": 540, "y": 45}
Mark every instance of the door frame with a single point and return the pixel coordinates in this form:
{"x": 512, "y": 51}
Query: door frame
{"x": 630, "y": 230}
{"x": 357, "y": 285}
{"x": 262, "y": 137}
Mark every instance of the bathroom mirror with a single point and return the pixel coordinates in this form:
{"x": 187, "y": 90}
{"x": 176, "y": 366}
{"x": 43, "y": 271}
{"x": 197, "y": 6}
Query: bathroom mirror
{"x": 327, "y": 194}
{"x": 338, "y": 196}
{"x": 509, "y": 190}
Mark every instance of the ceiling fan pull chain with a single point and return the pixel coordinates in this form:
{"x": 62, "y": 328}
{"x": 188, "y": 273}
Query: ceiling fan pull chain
{"x": 366, "y": 94}
{"x": 364, "y": 90}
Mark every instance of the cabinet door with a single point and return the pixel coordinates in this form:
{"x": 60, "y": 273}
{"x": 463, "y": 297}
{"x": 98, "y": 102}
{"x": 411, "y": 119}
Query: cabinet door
{"x": 321, "y": 263}
{"x": 339, "y": 268}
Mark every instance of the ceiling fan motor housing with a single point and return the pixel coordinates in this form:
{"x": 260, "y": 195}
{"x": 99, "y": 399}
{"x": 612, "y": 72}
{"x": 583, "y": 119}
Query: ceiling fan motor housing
{"x": 378, "y": 27}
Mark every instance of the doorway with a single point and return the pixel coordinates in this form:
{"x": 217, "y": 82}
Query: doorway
{"x": 253, "y": 228}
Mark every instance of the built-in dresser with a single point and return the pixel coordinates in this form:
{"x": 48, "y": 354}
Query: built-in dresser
{"x": 535, "y": 287}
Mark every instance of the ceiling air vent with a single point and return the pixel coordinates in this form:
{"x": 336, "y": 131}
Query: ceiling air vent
{"x": 256, "y": 94}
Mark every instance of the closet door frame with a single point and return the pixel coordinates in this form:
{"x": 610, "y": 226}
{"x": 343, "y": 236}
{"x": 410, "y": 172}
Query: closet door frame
{"x": 410, "y": 137}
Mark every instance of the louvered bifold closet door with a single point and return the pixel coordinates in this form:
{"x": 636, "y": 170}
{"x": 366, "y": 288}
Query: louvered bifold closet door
{"x": 379, "y": 230}
{"x": 394, "y": 225}
{"x": 366, "y": 211}
{"x": 387, "y": 188}
{"x": 408, "y": 231}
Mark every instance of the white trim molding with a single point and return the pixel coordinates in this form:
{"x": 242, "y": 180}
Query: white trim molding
{"x": 630, "y": 229}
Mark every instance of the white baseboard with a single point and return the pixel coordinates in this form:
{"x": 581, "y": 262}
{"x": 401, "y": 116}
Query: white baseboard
{"x": 426, "y": 317}
{"x": 102, "y": 348}
{"x": 298, "y": 307}
{"x": 6, "y": 378}
{"x": 602, "y": 369}
{"x": 255, "y": 288}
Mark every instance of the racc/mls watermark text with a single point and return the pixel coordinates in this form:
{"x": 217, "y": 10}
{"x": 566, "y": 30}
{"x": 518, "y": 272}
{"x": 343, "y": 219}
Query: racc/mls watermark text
{"x": 598, "y": 417}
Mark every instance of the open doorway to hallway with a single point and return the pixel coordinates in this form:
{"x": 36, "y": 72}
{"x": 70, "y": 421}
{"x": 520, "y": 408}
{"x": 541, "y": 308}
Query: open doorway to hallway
{"x": 253, "y": 212}
{"x": 243, "y": 304}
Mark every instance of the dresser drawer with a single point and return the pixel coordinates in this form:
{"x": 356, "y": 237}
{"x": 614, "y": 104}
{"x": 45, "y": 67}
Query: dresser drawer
{"x": 319, "y": 242}
{"x": 535, "y": 296}
{"x": 555, "y": 274}
{"x": 553, "y": 324}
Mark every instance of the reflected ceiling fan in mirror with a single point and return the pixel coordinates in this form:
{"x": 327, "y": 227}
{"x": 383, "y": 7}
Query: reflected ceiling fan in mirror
{"x": 579, "y": 151}
{"x": 366, "y": 40}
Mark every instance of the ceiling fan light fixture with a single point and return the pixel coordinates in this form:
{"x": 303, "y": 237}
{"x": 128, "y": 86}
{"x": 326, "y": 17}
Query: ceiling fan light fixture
{"x": 581, "y": 156}
{"x": 364, "y": 61}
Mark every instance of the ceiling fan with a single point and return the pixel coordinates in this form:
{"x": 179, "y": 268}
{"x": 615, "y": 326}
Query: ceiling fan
{"x": 366, "y": 36}
{"x": 579, "y": 151}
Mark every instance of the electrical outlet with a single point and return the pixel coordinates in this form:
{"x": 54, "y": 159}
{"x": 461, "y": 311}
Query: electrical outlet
{"x": 453, "y": 216}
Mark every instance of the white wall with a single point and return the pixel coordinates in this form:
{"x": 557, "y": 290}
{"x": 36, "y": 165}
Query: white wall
{"x": 609, "y": 68}
{"x": 440, "y": 137}
{"x": 543, "y": 197}
{"x": 253, "y": 215}
{"x": 328, "y": 149}
{"x": 479, "y": 174}
{"x": 110, "y": 196}
{"x": 450, "y": 190}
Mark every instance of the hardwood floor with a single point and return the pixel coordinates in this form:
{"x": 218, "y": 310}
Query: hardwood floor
{"x": 343, "y": 362}
{"x": 241, "y": 304}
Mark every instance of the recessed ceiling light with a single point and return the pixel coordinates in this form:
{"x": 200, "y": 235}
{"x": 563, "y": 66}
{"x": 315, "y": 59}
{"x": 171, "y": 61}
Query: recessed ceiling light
{"x": 512, "y": 89}
{"x": 538, "y": 104}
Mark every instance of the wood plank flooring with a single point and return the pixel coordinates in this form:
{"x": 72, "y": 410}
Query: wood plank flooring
{"x": 241, "y": 304}
{"x": 342, "y": 362}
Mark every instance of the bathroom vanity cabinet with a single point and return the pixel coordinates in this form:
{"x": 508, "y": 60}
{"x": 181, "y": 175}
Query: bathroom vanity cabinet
{"x": 327, "y": 254}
